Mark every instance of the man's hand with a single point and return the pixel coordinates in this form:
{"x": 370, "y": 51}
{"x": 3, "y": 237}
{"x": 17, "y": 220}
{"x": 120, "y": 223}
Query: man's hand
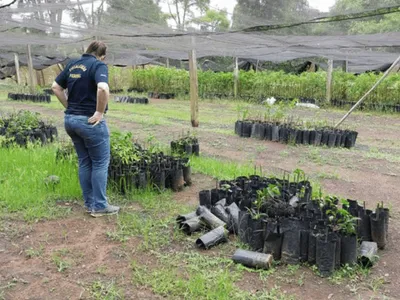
{"x": 96, "y": 118}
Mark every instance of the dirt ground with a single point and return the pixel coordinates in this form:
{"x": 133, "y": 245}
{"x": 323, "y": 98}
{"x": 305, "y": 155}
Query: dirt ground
{"x": 370, "y": 172}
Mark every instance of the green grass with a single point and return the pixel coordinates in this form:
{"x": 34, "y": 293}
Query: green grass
{"x": 220, "y": 169}
{"x": 22, "y": 182}
{"x": 100, "y": 290}
{"x": 191, "y": 275}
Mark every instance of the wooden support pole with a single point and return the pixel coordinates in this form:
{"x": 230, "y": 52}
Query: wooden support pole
{"x": 236, "y": 78}
{"x": 194, "y": 89}
{"x": 16, "y": 61}
{"x": 257, "y": 65}
{"x": 369, "y": 92}
{"x": 43, "y": 78}
{"x": 329, "y": 81}
{"x": 32, "y": 79}
{"x": 345, "y": 66}
{"x": 167, "y": 62}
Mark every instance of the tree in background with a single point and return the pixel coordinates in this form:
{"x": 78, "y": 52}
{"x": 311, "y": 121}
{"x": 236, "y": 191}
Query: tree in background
{"x": 249, "y": 13}
{"x": 135, "y": 12}
{"x": 182, "y": 11}
{"x": 213, "y": 20}
{"x": 378, "y": 24}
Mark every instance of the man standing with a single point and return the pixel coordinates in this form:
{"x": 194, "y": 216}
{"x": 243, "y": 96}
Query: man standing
{"x": 87, "y": 82}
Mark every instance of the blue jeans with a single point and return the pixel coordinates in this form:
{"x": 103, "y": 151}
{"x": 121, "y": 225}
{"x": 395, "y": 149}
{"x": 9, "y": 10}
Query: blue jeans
{"x": 92, "y": 145}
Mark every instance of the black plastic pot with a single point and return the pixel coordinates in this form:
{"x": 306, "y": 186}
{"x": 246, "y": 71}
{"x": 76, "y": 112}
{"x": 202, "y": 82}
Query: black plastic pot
{"x": 304, "y": 241}
{"x": 196, "y": 149}
{"x": 273, "y": 240}
{"x": 364, "y": 224}
{"x": 268, "y": 132}
{"x": 312, "y": 249}
{"x": 325, "y": 138}
{"x": 244, "y": 230}
{"x": 378, "y": 232}
{"x": 238, "y": 127}
{"x": 187, "y": 175}
{"x": 257, "y": 236}
{"x": 183, "y": 218}
{"x": 177, "y": 180}
{"x": 368, "y": 254}
{"x": 233, "y": 211}
{"x": 318, "y": 138}
{"x": 188, "y": 149}
{"x": 205, "y": 198}
{"x": 246, "y": 129}
{"x": 338, "y": 250}
{"x": 291, "y": 229}
{"x": 306, "y": 137}
{"x": 253, "y": 259}
{"x": 191, "y": 225}
{"x": 209, "y": 219}
{"x": 331, "y": 139}
{"x": 212, "y": 238}
{"x": 275, "y": 133}
{"x": 220, "y": 212}
{"x": 348, "y": 254}
{"x": 159, "y": 180}
{"x": 325, "y": 254}
{"x": 214, "y": 196}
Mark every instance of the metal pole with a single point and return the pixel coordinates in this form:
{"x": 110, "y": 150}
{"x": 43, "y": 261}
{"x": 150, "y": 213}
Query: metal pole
{"x": 369, "y": 92}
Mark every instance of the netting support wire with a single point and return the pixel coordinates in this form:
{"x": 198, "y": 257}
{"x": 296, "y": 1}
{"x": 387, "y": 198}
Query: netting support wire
{"x": 32, "y": 81}
{"x": 369, "y": 92}
{"x": 16, "y": 63}
{"x": 329, "y": 81}
{"x": 194, "y": 86}
{"x": 236, "y": 78}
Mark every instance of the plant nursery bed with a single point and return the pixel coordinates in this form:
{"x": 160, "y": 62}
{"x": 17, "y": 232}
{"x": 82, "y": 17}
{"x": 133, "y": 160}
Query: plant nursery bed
{"x": 133, "y": 100}
{"x": 23, "y": 127}
{"x": 281, "y": 218}
{"x": 296, "y": 134}
{"x": 30, "y": 97}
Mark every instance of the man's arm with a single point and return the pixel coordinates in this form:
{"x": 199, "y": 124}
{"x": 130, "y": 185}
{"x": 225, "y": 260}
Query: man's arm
{"x": 59, "y": 92}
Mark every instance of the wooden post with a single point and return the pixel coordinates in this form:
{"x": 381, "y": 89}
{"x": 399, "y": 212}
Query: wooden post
{"x": 236, "y": 78}
{"x": 43, "y": 78}
{"x": 257, "y": 65}
{"x": 345, "y": 66}
{"x": 167, "y": 62}
{"x": 329, "y": 81}
{"x": 194, "y": 88}
{"x": 16, "y": 61}
{"x": 32, "y": 80}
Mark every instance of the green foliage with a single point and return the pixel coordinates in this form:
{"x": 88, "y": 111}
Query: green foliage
{"x": 259, "y": 85}
{"x": 214, "y": 20}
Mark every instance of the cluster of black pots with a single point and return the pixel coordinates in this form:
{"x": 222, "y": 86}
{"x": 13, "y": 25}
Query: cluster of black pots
{"x": 116, "y": 91}
{"x": 48, "y": 91}
{"x": 367, "y": 106}
{"x": 156, "y": 95}
{"x": 137, "y": 90}
{"x": 292, "y": 227}
{"x": 29, "y": 97}
{"x": 128, "y": 99}
{"x": 156, "y": 171}
{"x": 44, "y": 134}
{"x": 187, "y": 146}
{"x": 287, "y": 133}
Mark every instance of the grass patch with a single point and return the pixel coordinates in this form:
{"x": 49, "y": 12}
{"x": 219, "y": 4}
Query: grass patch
{"x": 199, "y": 277}
{"x": 218, "y": 168}
{"x": 22, "y": 182}
{"x": 105, "y": 291}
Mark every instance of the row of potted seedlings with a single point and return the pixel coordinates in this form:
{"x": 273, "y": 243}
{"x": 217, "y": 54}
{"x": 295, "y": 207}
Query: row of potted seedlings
{"x": 29, "y": 97}
{"x": 24, "y": 126}
{"x": 129, "y": 99}
{"x": 367, "y": 106}
{"x": 278, "y": 219}
{"x": 156, "y": 95}
{"x": 188, "y": 145}
{"x": 295, "y": 134}
{"x": 132, "y": 167}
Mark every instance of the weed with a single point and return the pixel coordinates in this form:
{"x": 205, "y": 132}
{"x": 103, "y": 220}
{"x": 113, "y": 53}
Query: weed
{"x": 61, "y": 263}
{"x": 106, "y": 291}
{"x": 375, "y": 284}
{"x": 101, "y": 270}
{"x": 31, "y": 252}
{"x": 349, "y": 274}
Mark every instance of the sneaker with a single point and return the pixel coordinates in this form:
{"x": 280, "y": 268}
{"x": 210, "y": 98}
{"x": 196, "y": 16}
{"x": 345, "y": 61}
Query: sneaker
{"x": 109, "y": 210}
{"x": 88, "y": 210}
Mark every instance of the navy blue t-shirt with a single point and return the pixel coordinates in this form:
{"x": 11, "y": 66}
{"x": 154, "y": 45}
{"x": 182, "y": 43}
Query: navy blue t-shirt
{"x": 81, "y": 78}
